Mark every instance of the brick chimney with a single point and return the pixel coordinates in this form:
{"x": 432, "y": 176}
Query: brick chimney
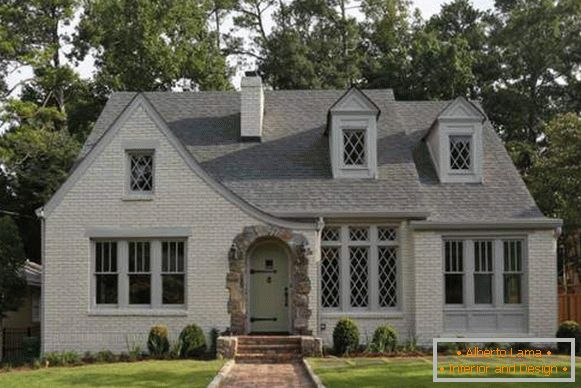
{"x": 251, "y": 107}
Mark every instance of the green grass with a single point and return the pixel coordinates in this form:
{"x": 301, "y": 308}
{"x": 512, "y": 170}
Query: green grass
{"x": 183, "y": 373}
{"x": 394, "y": 372}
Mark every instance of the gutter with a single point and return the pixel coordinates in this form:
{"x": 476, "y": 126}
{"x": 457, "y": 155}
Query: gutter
{"x": 415, "y": 215}
{"x": 532, "y": 223}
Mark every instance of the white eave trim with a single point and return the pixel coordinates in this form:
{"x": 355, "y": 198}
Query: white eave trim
{"x": 141, "y": 100}
{"x": 532, "y": 223}
{"x": 417, "y": 215}
{"x": 152, "y": 232}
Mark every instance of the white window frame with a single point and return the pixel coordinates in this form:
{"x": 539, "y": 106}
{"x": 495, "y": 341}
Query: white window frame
{"x": 123, "y": 275}
{"x": 373, "y": 244}
{"x": 497, "y": 276}
{"x": 129, "y": 153}
{"x": 365, "y": 164}
{"x": 455, "y": 171}
{"x": 94, "y": 273}
{"x": 183, "y": 272}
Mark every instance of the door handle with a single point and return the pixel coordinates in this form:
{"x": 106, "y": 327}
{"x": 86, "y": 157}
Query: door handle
{"x": 286, "y": 297}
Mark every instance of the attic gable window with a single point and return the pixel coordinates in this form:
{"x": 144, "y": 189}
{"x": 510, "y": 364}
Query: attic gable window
{"x": 354, "y": 147}
{"x": 141, "y": 171}
{"x": 460, "y": 153}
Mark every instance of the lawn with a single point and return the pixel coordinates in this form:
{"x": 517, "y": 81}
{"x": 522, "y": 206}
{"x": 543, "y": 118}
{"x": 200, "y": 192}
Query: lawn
{"x": 393, "y": 372}
{"x": 139, "y": 374}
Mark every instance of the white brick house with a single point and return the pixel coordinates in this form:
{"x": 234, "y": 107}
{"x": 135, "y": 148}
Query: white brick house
{"x": 282, "y": 211}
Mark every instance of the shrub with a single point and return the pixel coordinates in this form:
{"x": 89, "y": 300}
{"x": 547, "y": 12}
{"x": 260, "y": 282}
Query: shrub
{"x": 62, "y": 359}
{"x": 158, "y": 342}
{"x": 569, "y": 329}
{"x": 384, "y": 339}
{"x": 345, "y": 336}
{"x": 193, "y": 341}
{"x": 30, "y": 348}
{"x": 105, "y": 356}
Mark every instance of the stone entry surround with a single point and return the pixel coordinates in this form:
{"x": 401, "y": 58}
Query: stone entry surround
{"x": 236, "y": 281}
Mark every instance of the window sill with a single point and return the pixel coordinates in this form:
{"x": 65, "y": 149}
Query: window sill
{"x": 137, "y": 312}
{"x": 137, "y": 197}
{"x": 363, "y": 314}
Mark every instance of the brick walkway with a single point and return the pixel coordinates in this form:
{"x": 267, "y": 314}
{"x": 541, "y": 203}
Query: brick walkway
{"x": 267, "y": 376}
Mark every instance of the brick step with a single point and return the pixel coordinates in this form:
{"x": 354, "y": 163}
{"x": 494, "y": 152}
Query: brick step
{"x": 269, "y": 348}
{"x": 263, "y": 358}
{"x": 269, "y": 340}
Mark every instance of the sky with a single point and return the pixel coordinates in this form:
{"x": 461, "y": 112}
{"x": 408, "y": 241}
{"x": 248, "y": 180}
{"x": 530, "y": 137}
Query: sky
{"x": 86, "y": 68}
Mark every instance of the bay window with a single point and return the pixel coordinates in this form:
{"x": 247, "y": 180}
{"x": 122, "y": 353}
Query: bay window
{"x": 480, "y": 272}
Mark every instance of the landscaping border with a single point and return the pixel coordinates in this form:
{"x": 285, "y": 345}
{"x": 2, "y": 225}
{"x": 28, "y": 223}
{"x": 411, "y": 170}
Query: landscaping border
{"x": 312, "y": 375}
{"x": 222, "y": 373}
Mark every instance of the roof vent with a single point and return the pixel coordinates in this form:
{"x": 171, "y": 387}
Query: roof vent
{"x": 251, "y": 107}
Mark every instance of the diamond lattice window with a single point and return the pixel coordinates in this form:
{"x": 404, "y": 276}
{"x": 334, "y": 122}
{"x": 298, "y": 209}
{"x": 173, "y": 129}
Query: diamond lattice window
{"x": 330, "y": 277}
{"x": 386, "y": 234}
{"x": 358, "y": 273}
{"x": 460, "y": 152}
{"x": 330, "y": 234}
{"x": 354, "y": 147}
{"x": 387, "y": 263}
{"x": 141, "y": 172}
{"x": 358, "y": 234}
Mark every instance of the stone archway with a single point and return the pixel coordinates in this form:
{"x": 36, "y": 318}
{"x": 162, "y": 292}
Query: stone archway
{"x": 236, "y": 282}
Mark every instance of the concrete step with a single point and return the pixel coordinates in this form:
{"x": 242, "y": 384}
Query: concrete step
{"x": 269, "y": 348}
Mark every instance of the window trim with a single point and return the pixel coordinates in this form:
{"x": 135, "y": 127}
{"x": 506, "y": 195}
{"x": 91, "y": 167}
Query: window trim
{"x": 373, "y": 280}
{"x": 454, "y": 171}
{"x": 139, "y": 194}
{"x": 497, "y": 277}
{"x": 94, "y": 274}
{"x": 356, "y": 167}
{"x": 123, "y": 306}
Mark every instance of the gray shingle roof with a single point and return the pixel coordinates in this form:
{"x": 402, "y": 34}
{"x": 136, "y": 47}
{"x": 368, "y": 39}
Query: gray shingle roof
{"x": 289, "y": 171}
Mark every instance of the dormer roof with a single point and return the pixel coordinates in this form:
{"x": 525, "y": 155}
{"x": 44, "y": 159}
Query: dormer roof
{"x": 355, "y": 101}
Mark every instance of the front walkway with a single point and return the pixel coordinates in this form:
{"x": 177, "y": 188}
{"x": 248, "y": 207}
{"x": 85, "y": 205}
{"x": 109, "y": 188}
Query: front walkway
{"x": 291, "y": 375}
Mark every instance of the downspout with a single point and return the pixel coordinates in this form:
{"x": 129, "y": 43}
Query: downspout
{"x": 320, "y": 226}
{"x": 40, "y": 215}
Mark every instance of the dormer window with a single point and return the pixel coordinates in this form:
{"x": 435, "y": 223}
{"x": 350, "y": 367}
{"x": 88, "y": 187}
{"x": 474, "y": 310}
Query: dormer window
{"x": 354, "y": 148}
{"x": 455, "y": 143}
{"x": 352, "y": 130}
{"x": 460, "y": 153}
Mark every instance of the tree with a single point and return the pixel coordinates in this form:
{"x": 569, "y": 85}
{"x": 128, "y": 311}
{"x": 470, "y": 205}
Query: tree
{"x": 312, "y": 45}
{"x": 12, "y": 260}
{"x": 538, "y": 41}
{"x": 35, "y": 157}
{"x": 152, "y": 45}
{"x": 555, "y": 175}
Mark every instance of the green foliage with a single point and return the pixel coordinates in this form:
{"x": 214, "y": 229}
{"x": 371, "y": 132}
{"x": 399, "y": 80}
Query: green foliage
{"x": 555, "y": 175}
{"x": 151, "y": 45}
{"x": 569, "y": 329}
{"x": 384, "y": 339}
{"x": 158, "y": 341}
{"x": 193, "y": 341}
{"x": 30, "y": 348}
{"x": 345, "y": 337}
{"x": 105, "y": 356}
{"x": 12, "y": 260}
{"x": 62, "y": 359}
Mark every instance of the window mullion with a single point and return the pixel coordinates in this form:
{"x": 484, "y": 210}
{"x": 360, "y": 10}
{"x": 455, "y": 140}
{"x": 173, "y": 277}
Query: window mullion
{"x": 469, "y": 273}
{"x": 122, "y": 268}
{"x": 498, "y": 268}
{"x": 373, "y": 269}
{"x": 344, "y": 267}
{"x": 155, "y": 270}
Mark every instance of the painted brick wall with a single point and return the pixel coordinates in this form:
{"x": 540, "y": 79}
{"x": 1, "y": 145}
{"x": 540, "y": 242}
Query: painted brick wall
{"x": 542, "y": 283}
{"x": 182, "y": 199}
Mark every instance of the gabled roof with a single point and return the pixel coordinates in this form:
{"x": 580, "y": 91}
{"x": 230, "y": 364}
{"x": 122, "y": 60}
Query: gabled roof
{"x": 459, "y": 108}
{"x": 355, "y": 100}
{"x": 288, "y": 174}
